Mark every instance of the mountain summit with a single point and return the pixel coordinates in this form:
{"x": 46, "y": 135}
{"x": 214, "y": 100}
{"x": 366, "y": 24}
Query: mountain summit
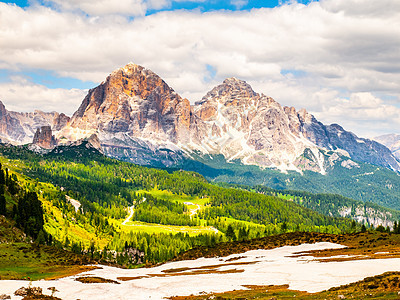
{"x": 135, "y": 101}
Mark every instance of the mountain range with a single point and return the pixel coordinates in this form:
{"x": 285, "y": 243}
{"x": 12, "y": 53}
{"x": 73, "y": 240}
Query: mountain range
{"x": 392, "y": 141}
{"x": 137, "y": 117}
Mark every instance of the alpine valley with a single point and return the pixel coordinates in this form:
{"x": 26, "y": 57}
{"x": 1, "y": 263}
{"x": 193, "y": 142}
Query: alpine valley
{"x": 138, "y": 176}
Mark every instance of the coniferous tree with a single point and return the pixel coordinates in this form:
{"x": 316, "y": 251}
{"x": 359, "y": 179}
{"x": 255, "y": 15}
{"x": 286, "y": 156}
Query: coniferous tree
{"x": 2, "y": 205}
{"x": 2, "y": 176}
{"x": 397, "y": 229}
{"x": 230, "y": 233}
{"x": 41, "y": 239}
{"x": 30, "y": 214}
{"x": 363, "y": 228}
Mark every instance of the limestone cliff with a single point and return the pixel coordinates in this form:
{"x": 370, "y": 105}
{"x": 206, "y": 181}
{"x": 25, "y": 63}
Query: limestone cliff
{"x": 44, "y": 138}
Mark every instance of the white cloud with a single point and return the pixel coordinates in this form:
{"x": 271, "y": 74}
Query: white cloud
{"x": 23, "y": 95}
{"x": 108, "y": 7}
{"x": 361, "y": 110}
{"x": 239, "y": 3}
{"x": 328, "y": 50}
{"x": 132, "y": 8}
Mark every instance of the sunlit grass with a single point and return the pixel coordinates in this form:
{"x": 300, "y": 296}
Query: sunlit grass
{"x": 137, "y": 226}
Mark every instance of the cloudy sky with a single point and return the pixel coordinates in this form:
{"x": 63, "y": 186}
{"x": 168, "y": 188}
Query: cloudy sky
{"x": 339, "y": 59}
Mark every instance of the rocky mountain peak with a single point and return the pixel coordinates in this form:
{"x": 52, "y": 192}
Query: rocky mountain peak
{"x": 138, "y": 117}
{"x": 232, "y": 91}
{"x": 137, "y": 102}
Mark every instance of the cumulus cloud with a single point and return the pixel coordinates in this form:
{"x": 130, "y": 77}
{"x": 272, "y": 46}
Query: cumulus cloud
{"x": 302, "y": 55}
{"x": 102, "y": 7}
{"x": 25, "y": 96}
{"x": 361, "y": 110}
{"x": 111, "y": 7}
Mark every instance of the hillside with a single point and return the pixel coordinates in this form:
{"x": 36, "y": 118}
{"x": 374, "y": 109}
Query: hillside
{"x": 364, "y": 182}
{"x": 181, "y": 203}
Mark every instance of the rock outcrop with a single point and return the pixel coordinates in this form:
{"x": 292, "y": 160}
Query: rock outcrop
{"x": 10, "y": 127}
{"x": 242, "y": 124}
{"x": 44, "y": 138}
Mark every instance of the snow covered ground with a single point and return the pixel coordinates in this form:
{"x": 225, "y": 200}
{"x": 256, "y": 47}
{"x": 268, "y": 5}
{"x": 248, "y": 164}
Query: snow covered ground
{"x": 257, "y": 267}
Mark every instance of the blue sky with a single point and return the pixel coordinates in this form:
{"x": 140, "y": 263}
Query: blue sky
{"x": 338, "y": 59}
{"x": 202, "y": 5}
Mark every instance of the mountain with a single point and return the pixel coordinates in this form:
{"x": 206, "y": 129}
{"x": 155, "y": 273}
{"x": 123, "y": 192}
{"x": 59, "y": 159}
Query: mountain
{"x": 233, "y": 134}
{"x": 139, "y": 118}
{"x": 20, "y": 128}
{"x": 242, "y": 124}
{"x": 392, "y": 141}
{"x": 135, "y": 114}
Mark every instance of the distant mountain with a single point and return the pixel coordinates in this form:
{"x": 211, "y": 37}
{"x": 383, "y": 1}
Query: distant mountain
{"x": 20, "y": 128}
{"x": 139, "y": 118}
{"x": 392, "y": 141}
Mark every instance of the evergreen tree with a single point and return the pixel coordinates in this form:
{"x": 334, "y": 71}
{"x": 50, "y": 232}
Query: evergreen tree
{"x": 2, "y": 176}
{"x": 2, "y": 205}
{"x": 41, "y": 239}
{"x": 30, "y": 214}
{"x": 397, "y": 228}
{"x": 230, "y": 233}
{"x": 353, "y": 226}
{"x": 284, "y": 227}
{"x": 363, "y": 228}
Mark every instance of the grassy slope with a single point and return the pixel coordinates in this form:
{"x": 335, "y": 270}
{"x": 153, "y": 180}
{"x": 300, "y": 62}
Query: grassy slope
{"x": 61, "y": 224}
{"x": 25, "y": 260}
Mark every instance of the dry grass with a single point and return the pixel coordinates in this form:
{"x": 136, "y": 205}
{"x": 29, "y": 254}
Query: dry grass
{"x": 95, "y": 279}
{"x": 385, "y": 286}
{"x": 368, "y": 245}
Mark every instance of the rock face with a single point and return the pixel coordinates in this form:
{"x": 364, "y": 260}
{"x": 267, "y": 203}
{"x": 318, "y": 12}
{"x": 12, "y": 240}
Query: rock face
{"x": 10, "y": 127}
{"x": 60, "y": 121}
{"x": 135, "y": 101}
{"x": 44, "y": 138}
{"x": 135, "y": 114}
{"x": 20, "y": 128}
{"x": 242, "y": 124}
{"x": 138, "y": 117}
{"x": 334, "y": 137}
{"x": 392, "y": 141}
